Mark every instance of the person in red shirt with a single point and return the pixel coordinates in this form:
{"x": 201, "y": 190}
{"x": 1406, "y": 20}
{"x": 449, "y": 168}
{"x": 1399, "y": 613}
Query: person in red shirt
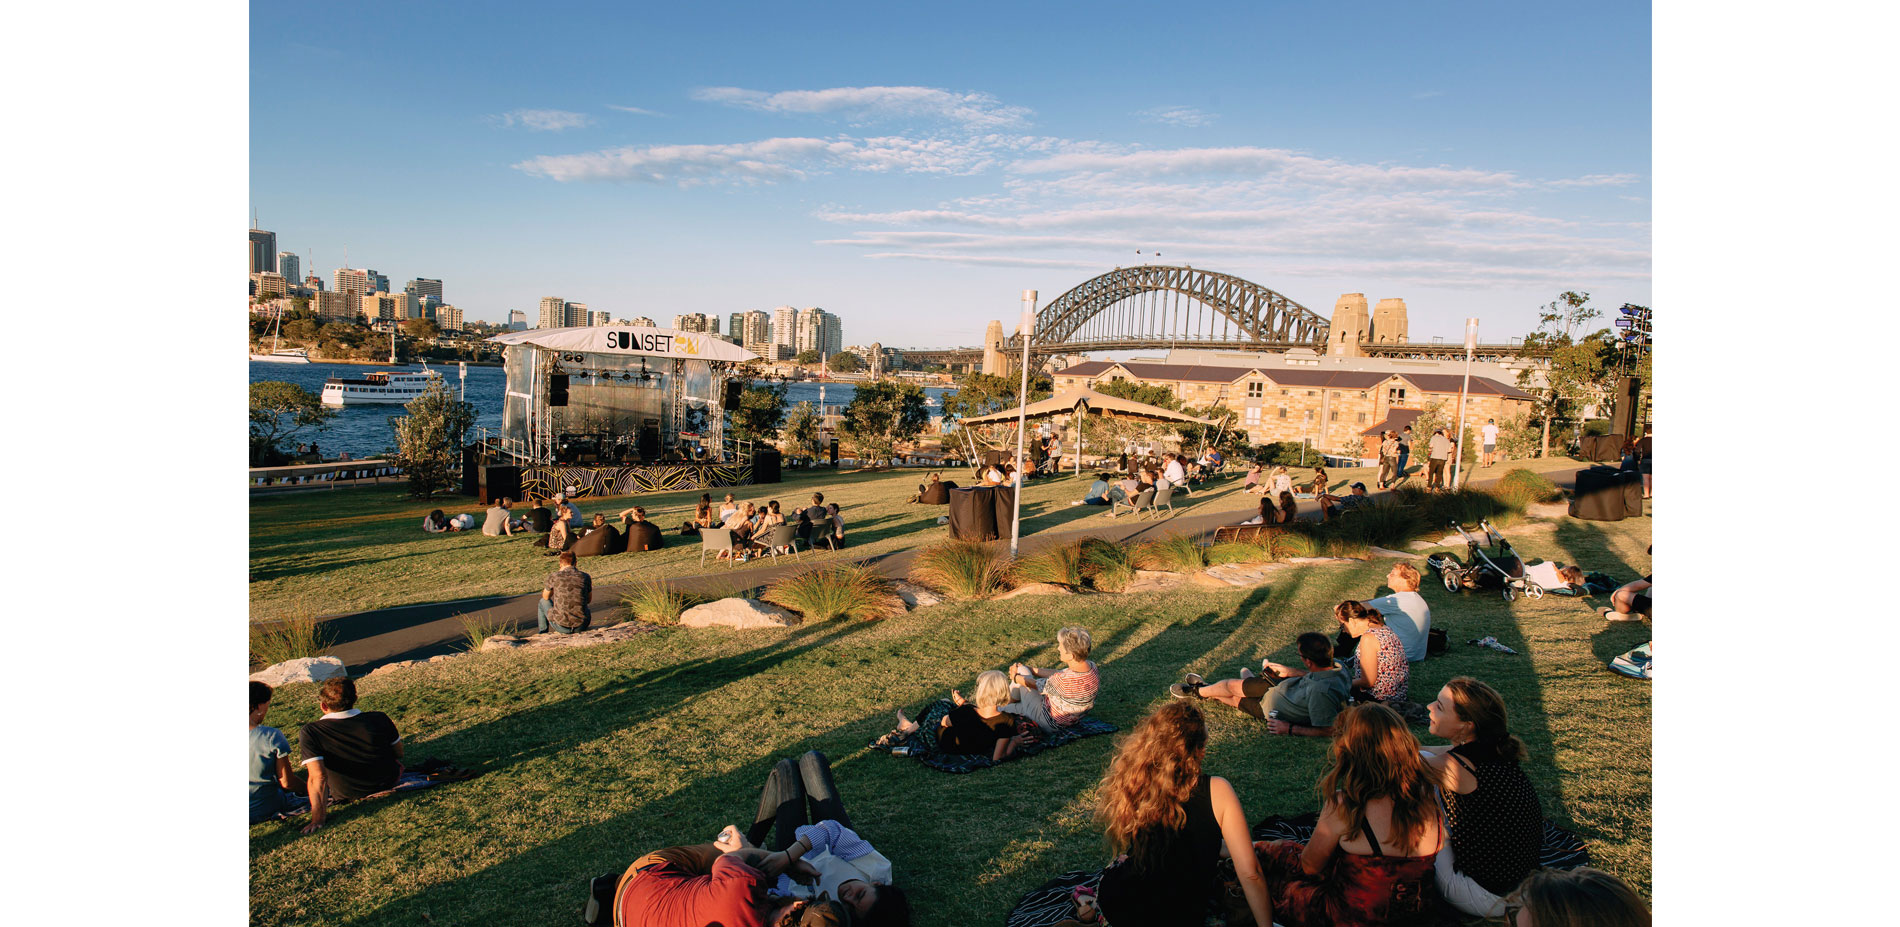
{"x": 693, "y": 886}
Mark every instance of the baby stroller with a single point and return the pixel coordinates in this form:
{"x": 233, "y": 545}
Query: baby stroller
{"x": 1499, "y": 568}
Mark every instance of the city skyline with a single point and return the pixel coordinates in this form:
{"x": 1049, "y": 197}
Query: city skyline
{"x": 914, "y": 176}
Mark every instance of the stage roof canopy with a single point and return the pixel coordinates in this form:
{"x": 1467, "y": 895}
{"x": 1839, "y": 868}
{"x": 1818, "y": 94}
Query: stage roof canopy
{"x": 1089, "y": 402}
{"x": 630, "y": 340}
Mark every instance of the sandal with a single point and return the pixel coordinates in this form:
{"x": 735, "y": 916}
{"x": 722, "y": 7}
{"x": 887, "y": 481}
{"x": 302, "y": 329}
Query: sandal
{"x": 890, "y": 739}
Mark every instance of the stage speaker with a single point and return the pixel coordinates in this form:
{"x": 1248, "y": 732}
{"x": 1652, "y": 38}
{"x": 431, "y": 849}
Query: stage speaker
{"x": 649, "y": 444}
{"x": 471, "y": 471}
{"x": 557, "y": 389}
{"x": 765, "y": 466}
{"x": 1629, "y": 392}
{"x": 733, "y": 388}
{"x": 501, "y": 482}
{"x": 834, "y": 452}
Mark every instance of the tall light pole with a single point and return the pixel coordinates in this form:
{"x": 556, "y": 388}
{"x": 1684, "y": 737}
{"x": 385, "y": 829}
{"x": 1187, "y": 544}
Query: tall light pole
{"x": 1022, "y": 424}
{"x": 1458, "y": 449}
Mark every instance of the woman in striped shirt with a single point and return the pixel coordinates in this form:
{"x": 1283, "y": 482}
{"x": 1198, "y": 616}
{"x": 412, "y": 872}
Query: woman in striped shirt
{"x": 1055, "y": 699}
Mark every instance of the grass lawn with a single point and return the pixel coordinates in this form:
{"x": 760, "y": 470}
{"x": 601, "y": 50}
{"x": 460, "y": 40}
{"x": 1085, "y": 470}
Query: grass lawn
{"x": 346, "y": 550}
{"x": 594, "y": 756}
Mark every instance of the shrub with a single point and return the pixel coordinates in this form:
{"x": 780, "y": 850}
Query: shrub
{"x": 298, "y": 636}
{"x": 1520, "y": 487}
{"x": 1061, "y": 565}
{"x": 1106, "y": 565}
{"x": 1236, "y": 552}
{"x": 475, "y": 630}
{"x": 655, "y": 601}
{"x": 1381, "y": 525}
{"x": 852, "y": 590}
{"x": 1176, "y": 552}
{"x": 960, "y": 569}
{"x": 1464, "y": 506}
{"x": 1345, "y": 547}
{"x": 1283, "y": 545}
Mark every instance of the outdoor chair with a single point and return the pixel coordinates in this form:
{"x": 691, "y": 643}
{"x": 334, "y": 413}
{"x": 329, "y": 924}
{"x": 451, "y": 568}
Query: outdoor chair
{"x": 1237, "y": 532}
{"x": 1164, "y": 499}
{"x": 1143, "y": 503}
{"x": 714, "y": 540}
{"x": 783, "y": 537}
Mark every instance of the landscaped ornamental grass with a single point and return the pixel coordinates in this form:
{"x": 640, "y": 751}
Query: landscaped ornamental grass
{"x": 593, "y": 756}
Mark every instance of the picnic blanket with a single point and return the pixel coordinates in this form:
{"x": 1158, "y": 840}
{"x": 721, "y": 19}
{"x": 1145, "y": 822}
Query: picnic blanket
{"x": 923, "y": 744}
{"x": 425, "y": 775}
{"x": 1561, "y": 849}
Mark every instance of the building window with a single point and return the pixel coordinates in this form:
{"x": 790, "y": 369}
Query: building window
{"x": 1286, "y": 392}
{"x": 1312, "y": 393}
{"x": 1333, "y": 417}
{"x": 1335, "y": 394}
{"x": 1283, "y": 411}
{"x": 1253, "y": 415}
{"x": 1256, "y": 390}
{"x": 1362, "y": 418}
{"x": 1363, "y": 394}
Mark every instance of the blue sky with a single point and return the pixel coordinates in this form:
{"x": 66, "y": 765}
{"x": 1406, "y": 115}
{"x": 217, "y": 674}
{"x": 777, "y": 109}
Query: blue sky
{"x": 913, "y": 168}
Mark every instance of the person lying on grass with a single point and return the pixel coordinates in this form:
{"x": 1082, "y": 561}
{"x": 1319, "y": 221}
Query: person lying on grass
{"x": 347, "y": 753}
{"x": 1055, "y": 699}
{"x": 1296, "y": 701}
{"x": 717, "y": 883}
{"x": 979, "y": 728}
{"x": 804, "y": 816}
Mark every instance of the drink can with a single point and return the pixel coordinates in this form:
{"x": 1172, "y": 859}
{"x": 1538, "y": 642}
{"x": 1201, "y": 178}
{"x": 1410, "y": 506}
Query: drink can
{"x": 901, "y": 751}
{"x": 1273, "y": 716}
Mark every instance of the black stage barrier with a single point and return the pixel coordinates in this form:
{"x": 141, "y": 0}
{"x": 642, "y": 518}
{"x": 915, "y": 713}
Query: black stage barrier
{"x": 979, "y": 514}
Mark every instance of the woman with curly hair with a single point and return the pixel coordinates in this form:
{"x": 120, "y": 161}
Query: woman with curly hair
{"x": 1168, "y": 820}
{"x": 1377, "y": 667}
{"x": 1370, "y": 859}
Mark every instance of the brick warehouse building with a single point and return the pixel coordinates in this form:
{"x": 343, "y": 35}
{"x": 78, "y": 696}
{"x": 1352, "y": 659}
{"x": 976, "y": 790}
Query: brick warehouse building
{"x": 1333, "y": 409}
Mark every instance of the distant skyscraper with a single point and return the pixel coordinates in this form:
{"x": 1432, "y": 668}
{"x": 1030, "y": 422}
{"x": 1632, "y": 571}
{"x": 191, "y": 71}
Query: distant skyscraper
{"x": 757, "y": 331}
{"x": 263, "y": 252}
{"x": 383, "y": 307}
{"x": 353, "y": 283}
{"x": 785, "y": 327}
{"x": 643, "y": 322}
{"x": 695, "y": 322}
{"x": 599, "y": 317}
{"x": 517, "y": 320}
{"x": 735, "y": 325}
{"x": 379, "y": 283}
{"x": 575, "y": 316}
{"x": 313, "y": 283}
{"x": 269, "y": 284}
{"x": 553, "y": 313}
{"x": 817, "y": 330}
{"x": 288, "y": 265}
{"x": 423, "y": 286}
{"x": 447, "y": 317}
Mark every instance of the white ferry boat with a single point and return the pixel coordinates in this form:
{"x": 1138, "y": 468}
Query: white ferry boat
{"x": 377, "y": 388}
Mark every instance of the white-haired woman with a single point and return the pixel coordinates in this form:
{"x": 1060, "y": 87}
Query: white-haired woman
{"x": 1055, "y": 699}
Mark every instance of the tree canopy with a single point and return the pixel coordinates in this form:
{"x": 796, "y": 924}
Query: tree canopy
{"x": 430, "y": 437}
{"x": 807, "y": 356}
{"x": 1582, "y": 367}
{"x": 846, "y": 362}
{"x": 882, "y": 413}
{"x": 801, "y": 430}
{"x": 761, "y": 408}
{"x": 279, "y": 411}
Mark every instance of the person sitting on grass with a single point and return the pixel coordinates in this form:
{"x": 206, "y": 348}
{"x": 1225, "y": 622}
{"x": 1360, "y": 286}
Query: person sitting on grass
{"x": 1630, "y": 602}
{"x": 1252, "y": 482}
{"x": 275, "y": 790}
{"x": 727, "y": 507}
{"x": 540, "y": 520}
{"x": 559, "y": 538}
{"x": 1582, "y": 897}
{"x": 702, "y": 518}
{"x": 1102, "y": 492}
{"x": 1318, "y": 488}
{"x": 566, "y": 600}
{"x": 565, "y": 511}
{"x": 1296, "y": 701}
{"x": 348, "y": 753}
{"x": 1279, "y": 482}
{"x": 805, "y": 818}
{"x": 1371, "y": 857}
{"x": 1405, "y": 611}
{"x": 1168, "y": 821}
{"x": 1289, "y": 508}
{"x": 1378, "y": 669}
{"x": 979, "y": 728}
{"x": 641, "y": 535}
{"x": 1055, "y": 699}
{"x": 498, "y": 522}
{"x": 1491, "y": 808}
{"x": 1332, "y": 506}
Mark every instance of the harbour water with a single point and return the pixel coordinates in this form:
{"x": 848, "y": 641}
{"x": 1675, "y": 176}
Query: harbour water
{"x": 364, "y": 431}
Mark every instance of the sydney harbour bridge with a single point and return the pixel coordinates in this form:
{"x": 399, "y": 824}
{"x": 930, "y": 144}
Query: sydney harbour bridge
{"x": 1159, "y": 306}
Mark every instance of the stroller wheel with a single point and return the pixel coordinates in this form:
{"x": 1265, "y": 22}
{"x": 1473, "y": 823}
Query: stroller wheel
{"x": 1510, "y": 592}
{"x": 1451, "y": 580}
{"x": 1534, "y": 592}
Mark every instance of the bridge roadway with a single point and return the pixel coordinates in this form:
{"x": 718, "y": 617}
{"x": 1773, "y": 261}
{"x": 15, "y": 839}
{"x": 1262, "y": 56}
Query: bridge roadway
{"x": 1433, "y": 350}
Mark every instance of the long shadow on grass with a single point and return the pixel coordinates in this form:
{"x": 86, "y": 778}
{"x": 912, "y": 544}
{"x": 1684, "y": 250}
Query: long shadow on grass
{"x": 1587, "y": 544}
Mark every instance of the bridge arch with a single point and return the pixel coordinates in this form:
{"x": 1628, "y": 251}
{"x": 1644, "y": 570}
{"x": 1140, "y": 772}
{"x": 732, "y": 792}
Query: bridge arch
{"x": 1168, "y": 304}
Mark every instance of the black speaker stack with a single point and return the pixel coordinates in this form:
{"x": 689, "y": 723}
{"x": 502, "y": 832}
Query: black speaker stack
{"x": 557, "y": 389}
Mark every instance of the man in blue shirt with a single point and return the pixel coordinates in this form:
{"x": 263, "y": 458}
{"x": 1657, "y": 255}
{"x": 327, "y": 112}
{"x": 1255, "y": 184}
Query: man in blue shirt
{"x": 275, "y": 789}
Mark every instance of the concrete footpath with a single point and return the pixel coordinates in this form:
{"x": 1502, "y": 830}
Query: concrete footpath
{"x": 365, "y": 640}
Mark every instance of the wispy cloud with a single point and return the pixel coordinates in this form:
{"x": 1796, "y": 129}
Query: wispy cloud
{"x": 637, "y": 111}
{"x": 1596, "y": 180}
{"x": 863, "y": 105}
{"x": 780, "y": 159}
{"x": 1186, "y": 116}
{"x": 542, "y": 120}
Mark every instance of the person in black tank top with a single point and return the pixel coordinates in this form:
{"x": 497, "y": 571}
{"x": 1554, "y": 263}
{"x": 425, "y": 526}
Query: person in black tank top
{"x": 1492, "y": 812}
{"x": 1169, "y": 832}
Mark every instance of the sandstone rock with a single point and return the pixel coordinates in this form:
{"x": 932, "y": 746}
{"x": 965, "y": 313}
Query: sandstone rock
{"x": 388, "y": 667}
{"x": 625, "y": 630}
{"x": 302, "y": 669}
{"x": 1036, "y": 589}
{"x": 915, "y": 596}
{"x": 741, "y": 614}
{"x": 1422, "y": 545}
{"x": 1154, "y": 581}
{"x": 442, "y": 658}
{"x": 1207, "y": 579}
{"x": 502, "y": 642}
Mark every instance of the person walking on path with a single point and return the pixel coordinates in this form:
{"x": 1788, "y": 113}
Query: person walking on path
{"x": 1440, "y": 452}
{"x": 1388, "y": 459}
{"x": 565, "y": 600}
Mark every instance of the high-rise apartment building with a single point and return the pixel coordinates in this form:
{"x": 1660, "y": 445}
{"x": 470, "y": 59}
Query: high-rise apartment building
{"x": 447, "y": 317}
{"x": 332, "y": 306}
{"x": 313, "y": 283}
{"x": 818, "y": 331}
{"x": 575, "y": 316}
{"x": 290, "y": 267}
{"x": 735, "y": 326}
{"x": 352, "y": 282}
{"x": 553, "y": 313}
{"x": 755, "y": 331}
{"x": 599, "y": 317}
{"x": 696, "y": 322}
{"x": 784, "y": 326}
{"x": 643, "y": 322}
{"x": 384, "y": 307}
{"x": 263, "y": 251}
{"x": 517, "y": 320}
{"x": 379, "y": 283}
{"x": 270, "y": 284}
{"x": 423, "y": 286}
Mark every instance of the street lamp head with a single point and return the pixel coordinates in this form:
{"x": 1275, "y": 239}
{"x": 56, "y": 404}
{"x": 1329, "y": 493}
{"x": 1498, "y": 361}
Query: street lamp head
{"x": 1471, "y": 334}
